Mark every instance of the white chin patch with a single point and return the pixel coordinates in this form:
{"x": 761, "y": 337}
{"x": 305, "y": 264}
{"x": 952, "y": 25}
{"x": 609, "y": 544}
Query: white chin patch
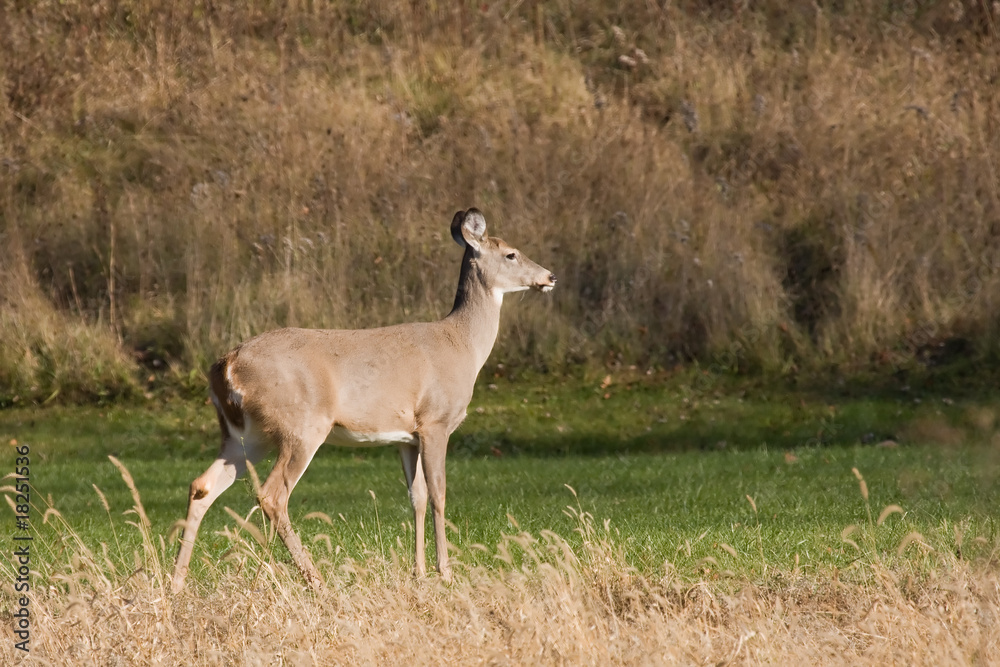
{"x": 547, "y": 288}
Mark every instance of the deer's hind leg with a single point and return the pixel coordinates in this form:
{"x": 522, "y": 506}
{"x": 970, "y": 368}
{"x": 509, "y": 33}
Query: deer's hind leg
{"x": 236, "y": 450}
{"x": 413, "y": 469}
{"x": 295, "y": 452}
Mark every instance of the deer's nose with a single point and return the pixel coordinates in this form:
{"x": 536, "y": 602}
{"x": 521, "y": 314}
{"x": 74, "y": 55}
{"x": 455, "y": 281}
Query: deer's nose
{"x": 552, "y": 278}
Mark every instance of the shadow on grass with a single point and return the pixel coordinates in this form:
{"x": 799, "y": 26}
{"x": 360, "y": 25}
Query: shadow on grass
{"x": 719, "y": 413}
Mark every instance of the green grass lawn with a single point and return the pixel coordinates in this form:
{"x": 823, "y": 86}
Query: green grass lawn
{"x": 666, "y": 465}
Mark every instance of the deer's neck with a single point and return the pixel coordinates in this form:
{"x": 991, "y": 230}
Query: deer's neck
{"x": 476, "y": 313}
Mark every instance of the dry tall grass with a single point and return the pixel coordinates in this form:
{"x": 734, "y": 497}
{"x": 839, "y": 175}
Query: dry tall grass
{"x": 553, "y": 615}
{"x": 806, "y": 183}
{"x": 545, "y": 603}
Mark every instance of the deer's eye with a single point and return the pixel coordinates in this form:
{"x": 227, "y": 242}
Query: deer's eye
{"x": 512, "y": 256}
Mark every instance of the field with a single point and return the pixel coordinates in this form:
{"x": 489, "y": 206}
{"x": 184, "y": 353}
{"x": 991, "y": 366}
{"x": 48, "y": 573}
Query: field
{"x": 625, "y": 519}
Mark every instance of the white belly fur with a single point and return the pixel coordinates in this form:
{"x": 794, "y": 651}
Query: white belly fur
{"x": 342, "y": 436}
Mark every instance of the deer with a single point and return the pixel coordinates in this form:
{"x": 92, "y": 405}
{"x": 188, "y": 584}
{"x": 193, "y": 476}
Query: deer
{"x": 288, "y": 391}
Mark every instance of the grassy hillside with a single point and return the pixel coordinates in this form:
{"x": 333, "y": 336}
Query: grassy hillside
{"x": 787, "y": 186}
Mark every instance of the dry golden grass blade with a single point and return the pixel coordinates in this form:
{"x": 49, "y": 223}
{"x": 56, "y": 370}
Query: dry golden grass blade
{"x": 325, "y": 539}
{"x": 887, "y": 512}
{"x": 244, "y": 524}
{"x": 318, "y": 515}
{"x": 845, "y": 537}
{"x": 861, "y": 483}
{"x": 254, "y": 478}
{"x": 911, "y": 538}
{"x": 130, "y": 483}
{"x": 176, "y": 528}
{"x": 728, "y": 549}
{"x": 104, "y": 500}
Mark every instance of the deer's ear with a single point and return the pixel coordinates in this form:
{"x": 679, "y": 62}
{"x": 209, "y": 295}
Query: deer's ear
{"x": 468, "y": 228}
{"x": 456, "y": 228}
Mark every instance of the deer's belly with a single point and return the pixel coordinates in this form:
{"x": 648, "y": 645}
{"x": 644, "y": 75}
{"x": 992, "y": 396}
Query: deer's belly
{"x": 343, "y": 436}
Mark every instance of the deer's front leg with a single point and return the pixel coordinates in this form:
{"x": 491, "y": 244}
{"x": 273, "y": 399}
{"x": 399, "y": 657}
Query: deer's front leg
{"x": 433, "y": 448}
